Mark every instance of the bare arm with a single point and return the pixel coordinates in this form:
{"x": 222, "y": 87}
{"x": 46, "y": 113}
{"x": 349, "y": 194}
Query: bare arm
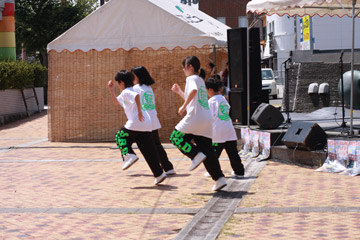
{"x": 176, "y": 89}
{"x": 112, "y": 93}
{"x": 189, "y": 98}
{"x": 138, "y": 105}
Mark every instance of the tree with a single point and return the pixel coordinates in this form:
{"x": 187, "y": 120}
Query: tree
{"x": 38, "y": 22}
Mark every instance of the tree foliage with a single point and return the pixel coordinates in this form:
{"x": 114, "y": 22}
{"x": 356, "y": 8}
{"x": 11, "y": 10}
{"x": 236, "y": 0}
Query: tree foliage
{"x": 21, "y": 75}
{"x": 38, "y": 22}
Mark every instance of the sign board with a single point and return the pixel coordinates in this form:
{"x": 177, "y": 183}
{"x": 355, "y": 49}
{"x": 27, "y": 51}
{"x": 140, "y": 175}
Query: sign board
{"x": 305, "y": 30}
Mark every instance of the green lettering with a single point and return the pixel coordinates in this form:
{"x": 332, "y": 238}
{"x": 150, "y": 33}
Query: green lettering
{"x": 121, "y": 142}
{"x": 186, "y": 148}
{"x": 124, "y": 150}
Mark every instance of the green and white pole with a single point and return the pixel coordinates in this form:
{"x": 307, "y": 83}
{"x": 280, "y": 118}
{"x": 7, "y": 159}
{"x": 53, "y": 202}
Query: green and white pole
{"x": 7, "y": 30}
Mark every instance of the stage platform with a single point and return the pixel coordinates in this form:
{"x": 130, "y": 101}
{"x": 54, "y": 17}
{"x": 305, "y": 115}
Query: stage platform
{"x": 268, "y": 145}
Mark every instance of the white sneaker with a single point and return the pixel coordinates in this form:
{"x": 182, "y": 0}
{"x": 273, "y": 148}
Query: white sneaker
{"x": 129, "y": 159}
{"x": 170, "y": 172}
{"x": 236, "y": 175}
{"x": 159, "y": 179}
{"x": 219, "y": 184}
{"x": 199, "y": 158}
{"x": 206, "y": 174}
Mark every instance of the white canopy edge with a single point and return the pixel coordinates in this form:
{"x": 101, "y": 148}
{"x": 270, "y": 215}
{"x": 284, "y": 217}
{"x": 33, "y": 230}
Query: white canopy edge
{"x": 142, "y": 24}
{"x": 321, "y": 8}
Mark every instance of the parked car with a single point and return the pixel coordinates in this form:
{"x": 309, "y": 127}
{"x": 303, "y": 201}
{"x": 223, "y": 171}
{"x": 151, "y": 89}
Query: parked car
{"x": 269, "y": 82}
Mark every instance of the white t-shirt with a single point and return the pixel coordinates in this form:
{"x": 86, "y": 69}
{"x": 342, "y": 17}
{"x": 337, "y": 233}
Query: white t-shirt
{"x": 222, "y": 127}
{"x": 147, "y": 100}
{"x": 198, "y": 118}
{"x": 127, "y": 101}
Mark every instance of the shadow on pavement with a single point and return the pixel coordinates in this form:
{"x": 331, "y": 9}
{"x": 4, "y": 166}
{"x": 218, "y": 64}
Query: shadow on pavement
{"x": 231, "y": 194}
{"x": 23, "y": 120}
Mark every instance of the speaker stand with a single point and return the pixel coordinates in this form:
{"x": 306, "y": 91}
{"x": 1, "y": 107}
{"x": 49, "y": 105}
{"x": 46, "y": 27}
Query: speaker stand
{"x": 343, "y": 123}
{"x": 287, "y": 104}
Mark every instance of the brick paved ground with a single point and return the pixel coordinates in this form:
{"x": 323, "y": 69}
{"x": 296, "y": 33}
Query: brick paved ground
{"x": 43, "y": 182}
{"x": 325, "y": 201}
{"x": 78, "y": 191}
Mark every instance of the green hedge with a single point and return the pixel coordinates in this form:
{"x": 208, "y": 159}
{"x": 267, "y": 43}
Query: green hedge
{"x": 21, "y": 75}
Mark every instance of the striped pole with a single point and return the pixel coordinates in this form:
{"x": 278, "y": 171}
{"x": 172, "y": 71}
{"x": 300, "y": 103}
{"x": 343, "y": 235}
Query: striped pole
{"x": 7, "y": 30}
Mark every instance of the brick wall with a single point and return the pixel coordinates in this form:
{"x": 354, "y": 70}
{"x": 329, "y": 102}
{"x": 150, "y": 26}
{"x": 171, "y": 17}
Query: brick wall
{"x": 301, "y": 75}
{"x": 231, "y": 9}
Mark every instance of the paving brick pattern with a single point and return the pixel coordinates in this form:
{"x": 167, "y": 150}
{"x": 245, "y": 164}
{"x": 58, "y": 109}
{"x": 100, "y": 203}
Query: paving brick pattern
{"x": 284, "y": 185}
{"x": 99, "y": 184}
{"x": 91, "y": 226}
{"x": 52, "y": 190}
{"x": 297, "y": 226}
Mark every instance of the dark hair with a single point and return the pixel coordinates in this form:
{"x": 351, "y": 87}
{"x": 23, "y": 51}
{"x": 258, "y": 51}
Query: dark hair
{"x": 193, "y": 61}
{"x": 213, "y": 83}
{"x": 143, "y": 75}
{"x": 202, "y": 73}
{"x": 126, "y": 77}
{"x": 211, "y": 65}
{"x": 217, "y": 77}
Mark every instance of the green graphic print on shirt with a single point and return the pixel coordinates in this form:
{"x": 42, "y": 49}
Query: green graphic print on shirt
{"x": 147, "y": 101}
{"x": 202, "y": 98}
{"x": 223, "y": 113}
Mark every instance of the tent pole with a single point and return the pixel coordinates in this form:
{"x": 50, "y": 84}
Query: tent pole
{"x": 352, "y": 68}
{"x": 248, "y": 73}
{"x": 215, "y": 59}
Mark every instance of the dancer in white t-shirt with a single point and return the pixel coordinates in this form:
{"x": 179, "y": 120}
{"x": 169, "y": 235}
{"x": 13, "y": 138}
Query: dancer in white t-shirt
{"x": 142, "y": 85}
{"x": 224, "y": 135}
{"x": 196, "y": 125}
{"x": 137, "y": 128}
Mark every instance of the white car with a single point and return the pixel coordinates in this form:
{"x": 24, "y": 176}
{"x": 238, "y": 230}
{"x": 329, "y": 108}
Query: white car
{"x": 269, "y": 82}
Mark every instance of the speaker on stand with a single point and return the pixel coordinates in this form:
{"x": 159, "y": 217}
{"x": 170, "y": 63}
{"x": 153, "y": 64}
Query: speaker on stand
{"x": 267, "y": 116}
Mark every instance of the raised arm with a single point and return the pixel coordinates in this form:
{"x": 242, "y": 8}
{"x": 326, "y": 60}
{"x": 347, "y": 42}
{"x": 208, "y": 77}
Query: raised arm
{"x": 112, "y": 93}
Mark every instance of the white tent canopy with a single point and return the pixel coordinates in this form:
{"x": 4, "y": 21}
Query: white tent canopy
{"x": 302, "y": 7}
{"x": 142, "y": 24}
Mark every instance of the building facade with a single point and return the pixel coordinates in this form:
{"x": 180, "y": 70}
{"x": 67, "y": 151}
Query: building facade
{"x": 229, "y": 12}
{"x": 286, "y": 34}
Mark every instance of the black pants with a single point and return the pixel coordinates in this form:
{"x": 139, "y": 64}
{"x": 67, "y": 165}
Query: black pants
{"x": 125, "y": 138}
{"x": 164, "y": 160}
{"x": 203, "y": 144}
{"x": 232, "y": 152}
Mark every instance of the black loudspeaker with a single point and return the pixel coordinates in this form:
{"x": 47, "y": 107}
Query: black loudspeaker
{"x": 238, "y": 103}
{"x": 267, "y": 116}
{"x": 305, "y": 135}
{"x": 238, "y": 59}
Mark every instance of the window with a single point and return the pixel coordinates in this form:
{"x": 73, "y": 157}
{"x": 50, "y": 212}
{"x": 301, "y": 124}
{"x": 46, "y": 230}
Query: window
{"x": 243, "y": 21}
{"x": 222, "y": 19}
{"x": 271, "y": 27}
